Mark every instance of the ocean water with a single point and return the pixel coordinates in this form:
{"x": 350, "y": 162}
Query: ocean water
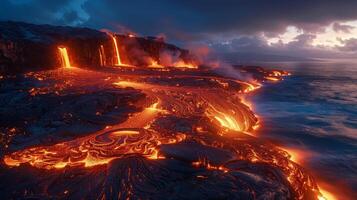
{"x": 314, "y": 113}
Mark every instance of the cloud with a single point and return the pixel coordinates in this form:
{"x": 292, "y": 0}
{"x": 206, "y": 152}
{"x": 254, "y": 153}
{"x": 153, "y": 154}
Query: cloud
{"x": 302, "y": 41}
{"x": 300, "y": 47}
{"x": 64, "y": 12}
{"x": 226, "y": 24}
{"x": 215, "y": 16}
{"x": 230, "y": 25}
{"x": 350, "y": 45}
{"x": 337, "y": 27}
{"x": 186, "y": 19}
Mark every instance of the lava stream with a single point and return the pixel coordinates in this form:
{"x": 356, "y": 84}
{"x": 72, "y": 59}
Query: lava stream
{"x": 116, "y": 50}
{"x": 219, "y": 118}
{"x": 64, "y": 57}
{"x": 101, "y": 147}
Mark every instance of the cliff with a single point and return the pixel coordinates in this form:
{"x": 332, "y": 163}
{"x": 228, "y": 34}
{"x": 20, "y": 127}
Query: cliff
{"x": 29, "y": 47}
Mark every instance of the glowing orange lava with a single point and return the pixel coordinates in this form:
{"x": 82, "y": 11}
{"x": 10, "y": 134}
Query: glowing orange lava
{"x": 272, "y": 78}
{"x": 224, "y": 119}
{"x": 102, "y": 57}
{"x": 252, "y": 87}
{"x": 206, "y": 164}
{"x": 89, "y": 151}
{"x": 116, "y": 50}
{"x": 325, "y": 195}
{"x": 298, "y": 156}
{"x": 155, "y": 64}
{"x": 131, "y": 35}
{"x": 183, "y": 64}
{"x": 64, "y": 57}
{"x": 219, "y": 110}
{"x": 101, "y": 147}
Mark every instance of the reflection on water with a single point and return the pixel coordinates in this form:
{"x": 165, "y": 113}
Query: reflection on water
{"x": 315, "y": 110}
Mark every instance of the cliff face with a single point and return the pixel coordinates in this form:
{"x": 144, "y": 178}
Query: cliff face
{"x": 29, "y": 47}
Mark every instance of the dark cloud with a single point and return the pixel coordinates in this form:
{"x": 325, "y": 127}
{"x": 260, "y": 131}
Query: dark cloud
{"x": 240, "y": 22}
{"x": 216, "y": 16}
{"x": 39, "y": 11}
{"x": 243, "y": 44}
{"x": 187, "y": 19}
{"x": 350, "y": 45}
{"x": 342, "y": 28}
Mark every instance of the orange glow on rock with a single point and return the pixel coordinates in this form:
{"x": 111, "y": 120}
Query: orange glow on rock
{"x": 325, "y": 195}
{"x": 183, "y": 64}
{"x": 220, "y": 110}
{"x": 113, "y": 142}
{"x": 276, "y": 75}
{"x": 224, "y": 119}
{"x": 131, "y": 35}
{"x": 296, "y": 155}
{"x": 272, "y": 78}
{"x": 206, "y": 164}
{"x": 154, "y": 64}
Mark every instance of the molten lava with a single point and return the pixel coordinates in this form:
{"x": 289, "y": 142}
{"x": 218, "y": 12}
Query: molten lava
{"x": 183, "y": 64}
{"x": 272, "y": 78}
{"x": 116, "y": 50}
{"x": 225, "y": 120}
{"x": 206, "y": 164}
{"x": 102, "y": 57}
{"x": 64, "y": 57}
{"x": 101, "y": 147}
{"x": 325, "y": 195}
{"x": 196, "y": 108}
{"x": 154, "y": 64}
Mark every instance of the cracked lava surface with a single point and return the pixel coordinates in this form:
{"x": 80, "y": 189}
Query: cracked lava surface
{"x": 188, "y": 134}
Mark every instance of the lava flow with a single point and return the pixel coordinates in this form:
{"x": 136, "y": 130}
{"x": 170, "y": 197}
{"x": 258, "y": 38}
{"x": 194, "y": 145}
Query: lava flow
{"x": 155, "y": 64}
{"x": 64, "y": 57}
{"x": 188, "y": 128}
{"x": 102, "y": 57}
{"x": 116, "y": 50}
{"x": 182, "y": 64}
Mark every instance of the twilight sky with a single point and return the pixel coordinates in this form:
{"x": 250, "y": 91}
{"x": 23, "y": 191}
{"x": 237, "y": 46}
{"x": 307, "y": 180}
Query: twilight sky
{"x": 313, "y": 28}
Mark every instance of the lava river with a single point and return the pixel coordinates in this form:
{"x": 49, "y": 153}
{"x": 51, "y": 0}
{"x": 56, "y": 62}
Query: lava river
{"x": 191, "y": 137}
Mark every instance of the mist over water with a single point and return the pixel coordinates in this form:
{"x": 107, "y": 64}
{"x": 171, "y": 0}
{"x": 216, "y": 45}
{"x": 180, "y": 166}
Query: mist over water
{"x": 315, "y": 111}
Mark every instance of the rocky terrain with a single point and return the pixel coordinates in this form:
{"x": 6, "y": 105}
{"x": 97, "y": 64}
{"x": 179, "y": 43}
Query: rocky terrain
{"x": 28, "y": 47}
{"x": 124, "y": 127}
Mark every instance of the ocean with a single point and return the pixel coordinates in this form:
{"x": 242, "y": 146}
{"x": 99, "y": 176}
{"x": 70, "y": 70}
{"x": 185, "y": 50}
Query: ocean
{"x": 313, "y": 113}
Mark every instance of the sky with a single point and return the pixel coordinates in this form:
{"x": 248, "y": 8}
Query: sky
{"x": 313, "y": 28}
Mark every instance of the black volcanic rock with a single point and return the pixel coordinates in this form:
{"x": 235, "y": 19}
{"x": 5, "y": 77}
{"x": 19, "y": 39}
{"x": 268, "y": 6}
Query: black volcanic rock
{"x": 29, "y": 47}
